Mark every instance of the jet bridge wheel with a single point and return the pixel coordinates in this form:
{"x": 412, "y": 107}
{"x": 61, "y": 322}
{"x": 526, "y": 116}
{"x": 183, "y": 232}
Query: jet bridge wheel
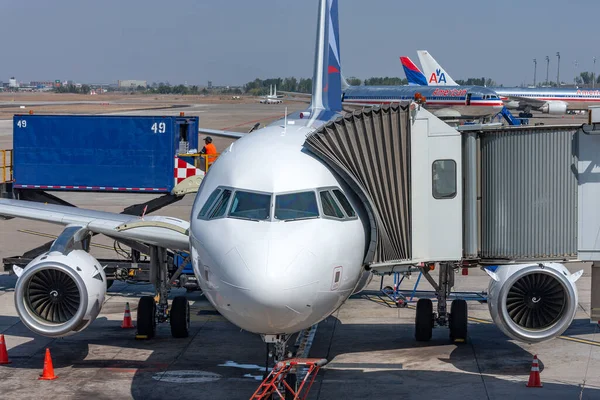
{"x": 146, "y": 317}
{"x": 179, "y": 317}
{"x": 458, "y": 321}
{"x": 424, "y": 320}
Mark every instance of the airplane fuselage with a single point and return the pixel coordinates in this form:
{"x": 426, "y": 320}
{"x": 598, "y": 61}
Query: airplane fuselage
{"x": 469, "y": 101}
{"x": 270, "y": 269}
{"x": 576, "y": 99}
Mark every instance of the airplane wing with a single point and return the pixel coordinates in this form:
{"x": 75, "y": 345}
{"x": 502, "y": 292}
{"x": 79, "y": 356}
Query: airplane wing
{"x": 167, "y": 232}
{"x": 527, "y": 101}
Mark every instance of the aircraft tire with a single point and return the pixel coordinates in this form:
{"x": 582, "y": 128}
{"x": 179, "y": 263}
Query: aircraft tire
{"x": 179, "y": 317}
{"x": 146, "y": 317}
{"x": 458, "y": 321}
{"x": 424, "y": 320}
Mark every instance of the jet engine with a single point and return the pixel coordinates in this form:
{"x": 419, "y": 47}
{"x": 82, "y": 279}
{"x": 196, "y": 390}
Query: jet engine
{"x": 555, "y": 108}
{"x": 57, "y": 295}
{"x": 532, "y": 302}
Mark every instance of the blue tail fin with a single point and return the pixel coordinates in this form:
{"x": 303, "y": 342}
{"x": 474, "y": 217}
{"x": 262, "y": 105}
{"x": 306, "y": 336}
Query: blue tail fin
{"x": 327, "y": 82}
{"x": 412, "y": 72}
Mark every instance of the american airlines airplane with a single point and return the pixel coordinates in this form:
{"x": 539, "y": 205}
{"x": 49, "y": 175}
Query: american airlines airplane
{"x": 547, "y": 100}
{"x": 468, "y": 101}
{"x": 276, "y": 245}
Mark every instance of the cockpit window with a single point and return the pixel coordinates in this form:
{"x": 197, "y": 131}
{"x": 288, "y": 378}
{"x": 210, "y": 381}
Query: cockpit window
{"x": 220, "y": 207}
{"x": 294, "y": 206}
{"x": 330, "y": 207}
{"x": 344, "y": 202}
{"x": 248, "y": 205}
{"x": 209, "y": 202}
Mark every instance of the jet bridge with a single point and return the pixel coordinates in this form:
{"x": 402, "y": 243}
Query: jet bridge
{"x": 525, "y": 197}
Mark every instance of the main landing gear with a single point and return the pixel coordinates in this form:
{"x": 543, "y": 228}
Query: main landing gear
{"x": 153, "y": 310}
{"x": 456, "y": 319}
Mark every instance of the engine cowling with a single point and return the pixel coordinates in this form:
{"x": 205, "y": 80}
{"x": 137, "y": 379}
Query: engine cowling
{"x": 555, "y": 108}
{"x": 533, "y": 302}
{"x": 57, "y": 295}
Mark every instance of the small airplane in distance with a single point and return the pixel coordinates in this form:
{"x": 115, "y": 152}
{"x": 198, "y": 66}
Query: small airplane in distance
{"x": 555, "y": 101}
{"x": 272, "y": 97}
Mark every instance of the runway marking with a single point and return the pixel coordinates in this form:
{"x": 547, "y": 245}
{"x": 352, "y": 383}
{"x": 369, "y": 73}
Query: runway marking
{"x": 50, "y": 236}
{"x": 577, "y": 340}
{"x": 186, "y": 377}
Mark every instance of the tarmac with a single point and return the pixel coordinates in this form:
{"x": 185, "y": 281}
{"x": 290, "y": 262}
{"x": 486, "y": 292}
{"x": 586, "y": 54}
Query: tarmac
{"x": 369, "y": 342}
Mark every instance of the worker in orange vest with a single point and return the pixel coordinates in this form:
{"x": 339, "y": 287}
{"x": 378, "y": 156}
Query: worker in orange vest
{"x": 210, "y": 150}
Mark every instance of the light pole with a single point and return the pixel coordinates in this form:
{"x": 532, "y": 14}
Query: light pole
{"x": 534, "y": 70}
{"x": 594, "y": 73}
{"x": 547, "y": 68}
{"x": 558, "y": 69}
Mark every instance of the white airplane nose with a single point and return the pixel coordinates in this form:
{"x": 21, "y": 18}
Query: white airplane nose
{"x": 266, "y": 285}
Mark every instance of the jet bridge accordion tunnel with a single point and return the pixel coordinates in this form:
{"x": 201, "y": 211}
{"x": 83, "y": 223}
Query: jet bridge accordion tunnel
{"x": 371, "y": 151}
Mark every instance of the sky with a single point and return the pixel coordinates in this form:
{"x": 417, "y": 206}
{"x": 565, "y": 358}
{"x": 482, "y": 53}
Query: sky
{"x": 235, "y": 41}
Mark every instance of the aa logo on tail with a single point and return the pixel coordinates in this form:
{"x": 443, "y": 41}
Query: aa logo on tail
{"x": 438, "y": 76}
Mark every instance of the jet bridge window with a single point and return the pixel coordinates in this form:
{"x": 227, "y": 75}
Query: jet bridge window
{"x": 294, "y": 206}
{"x": 444, "y": 179}
{"x": 252, "y": 206}
{"x": 330, "y": 207}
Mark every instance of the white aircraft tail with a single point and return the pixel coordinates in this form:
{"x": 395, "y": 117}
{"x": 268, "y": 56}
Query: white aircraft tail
{"x": 434, "y": 73}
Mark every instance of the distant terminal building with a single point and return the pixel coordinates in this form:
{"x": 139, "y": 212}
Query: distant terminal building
{"x": 12, "y": 82}
{"x": 41, "y": 84}
{"x": 132, "y": 83}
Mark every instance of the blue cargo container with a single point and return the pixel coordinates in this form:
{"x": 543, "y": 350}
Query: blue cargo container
{"x": 99, "y": 152}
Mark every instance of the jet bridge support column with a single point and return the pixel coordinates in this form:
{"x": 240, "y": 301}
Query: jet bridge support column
{"x": 470, "y": 232}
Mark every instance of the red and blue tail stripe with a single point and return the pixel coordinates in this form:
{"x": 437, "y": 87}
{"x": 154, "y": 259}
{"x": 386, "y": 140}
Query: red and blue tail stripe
{"x": 413, "y": 73}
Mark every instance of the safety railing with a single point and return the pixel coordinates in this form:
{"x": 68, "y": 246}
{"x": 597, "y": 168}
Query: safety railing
{"x": 202, "y": 161}
{"x": 6, "y": 166}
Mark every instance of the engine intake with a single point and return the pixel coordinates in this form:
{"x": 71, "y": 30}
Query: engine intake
{"x": 533, "y": 302}
{"x": 57, "y": 295}
{"x": 536, "y": 301}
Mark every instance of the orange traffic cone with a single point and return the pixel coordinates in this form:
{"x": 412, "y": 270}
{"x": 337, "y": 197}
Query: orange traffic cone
{"x": 534, "y": 375}
{"x": 48, "y": 372}
{"x": 127, "y": 318}
{"x": 3, "y": 353}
